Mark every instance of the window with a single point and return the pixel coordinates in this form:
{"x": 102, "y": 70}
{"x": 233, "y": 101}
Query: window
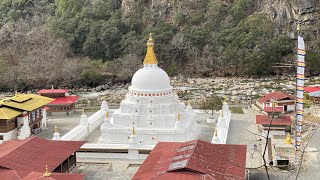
{"x": 1, "y": 137}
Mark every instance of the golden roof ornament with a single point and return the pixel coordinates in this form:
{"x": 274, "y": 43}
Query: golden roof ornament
{"x": 150, "y": 55}
{"x": 288, "y": 139}
{"x": 298, "y": 28}
{"x": 46, "y": 172}
{"x": 107, "y": 114}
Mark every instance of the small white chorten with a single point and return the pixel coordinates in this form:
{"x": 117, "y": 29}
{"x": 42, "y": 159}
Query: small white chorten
{"x": 56, "y": 135}
{"x": 215, "y": 139}
{"x": 84, "y": 119}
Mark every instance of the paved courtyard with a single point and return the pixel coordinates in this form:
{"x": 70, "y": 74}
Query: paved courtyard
{"x": 240, "y": 126}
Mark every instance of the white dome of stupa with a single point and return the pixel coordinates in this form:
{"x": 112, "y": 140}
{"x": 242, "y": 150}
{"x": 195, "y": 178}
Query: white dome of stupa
{"x": 150, "y": 78}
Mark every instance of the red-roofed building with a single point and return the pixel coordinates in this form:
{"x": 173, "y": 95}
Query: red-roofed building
{"x": 63, "y": 103}
{"x": 33, "y": 154}
{"x": 194, "y": 160}
{"x": 287, "y": 101}
{"x": 279, "y": 126}
{"x": 314, "y": 92}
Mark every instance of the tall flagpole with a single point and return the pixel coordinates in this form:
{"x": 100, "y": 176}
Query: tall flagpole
{"x": 300, "y": 88}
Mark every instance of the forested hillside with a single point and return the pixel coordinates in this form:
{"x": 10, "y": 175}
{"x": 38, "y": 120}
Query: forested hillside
{"x": 90, "y": 42}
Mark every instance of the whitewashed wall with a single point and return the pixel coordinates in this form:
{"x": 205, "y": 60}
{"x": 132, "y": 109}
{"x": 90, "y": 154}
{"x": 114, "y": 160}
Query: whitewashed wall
{"x": 87, "y": 125}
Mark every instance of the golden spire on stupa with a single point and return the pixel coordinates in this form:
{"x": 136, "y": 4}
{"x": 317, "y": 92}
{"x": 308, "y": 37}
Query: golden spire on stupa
{"x": 46, "y": 172}
{"x": 56, "y": 129}
{"x": 107, "y": 114}
{"x": 150, "y": 55}
{"x": 188, "y": 102}
{"x": 222, "y": 113}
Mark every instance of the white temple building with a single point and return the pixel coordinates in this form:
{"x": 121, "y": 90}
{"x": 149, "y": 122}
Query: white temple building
{"x": 151, "y": 108}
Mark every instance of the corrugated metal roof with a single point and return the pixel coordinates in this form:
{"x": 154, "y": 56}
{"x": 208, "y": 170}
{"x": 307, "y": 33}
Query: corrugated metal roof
{"x": 275, "y": 96}
{"x": 273, "y": 109}
{"x": 33, "y": 102}
{"x": 52, "y": 91}
{"x": 265, "y": 120}
{"x": 20, "y": 98}
{"x": 64, "y": 100}
{"x": 53, "y": 176}
{"x": 7, "y": 113}
{"x": 33, "y": 154}
{"x": 194, "y": 160}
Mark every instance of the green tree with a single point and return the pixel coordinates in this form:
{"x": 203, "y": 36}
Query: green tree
{"x": 213, "y": 103}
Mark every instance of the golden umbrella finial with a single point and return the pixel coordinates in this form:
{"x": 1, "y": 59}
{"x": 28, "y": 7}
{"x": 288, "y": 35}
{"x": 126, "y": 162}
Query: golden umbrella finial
{"x": 133, "y": 131}
{"x": 107, "y": 114}
{"x": 46, "y": 172}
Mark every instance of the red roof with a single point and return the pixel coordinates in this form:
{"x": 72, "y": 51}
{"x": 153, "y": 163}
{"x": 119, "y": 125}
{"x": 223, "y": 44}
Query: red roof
{"x": 276, "y": 96}
{"x": 273, "y": 109}
{"x": 53, "y": 176}
{"x": 65, "y": 100}
{"x": 13, "y": 175}
{"x": 52, "y": 91}
{"x": 264, "y": 120}
{"x": 312, "y": 89}
{"x": 194, "y": 160}
{"x": 6, "y": 173}
{"x": 33, "y": 154}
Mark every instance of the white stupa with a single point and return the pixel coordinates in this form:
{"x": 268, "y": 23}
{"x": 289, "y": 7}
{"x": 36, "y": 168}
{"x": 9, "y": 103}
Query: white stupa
{"x": 151, "y": 107}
